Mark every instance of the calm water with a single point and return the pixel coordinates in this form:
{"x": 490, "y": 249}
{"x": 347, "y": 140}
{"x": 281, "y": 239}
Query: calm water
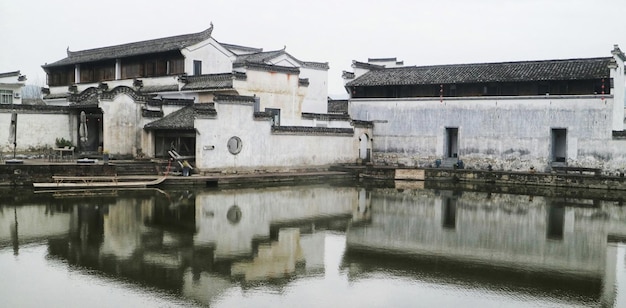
{"x": 310, "y": 246}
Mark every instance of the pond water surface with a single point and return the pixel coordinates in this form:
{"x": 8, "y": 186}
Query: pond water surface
{"x": 310, "y": 246}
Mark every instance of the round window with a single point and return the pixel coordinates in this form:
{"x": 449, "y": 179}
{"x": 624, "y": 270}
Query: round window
{"x": 234, "y": 145}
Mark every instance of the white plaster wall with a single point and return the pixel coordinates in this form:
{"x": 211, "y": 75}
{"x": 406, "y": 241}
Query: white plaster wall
{"x": 509, "y": 133}
{"x": 122, "y": 129}
{"x": 261, "y": 149}
{"x": 58, "y": 90}
{"x": 316, "y": 98}
{"x": 34, "y": 130}
{"x": 358, "y": 71}
{"x": 275, "y": 90}
{"x": 215, "y": 59}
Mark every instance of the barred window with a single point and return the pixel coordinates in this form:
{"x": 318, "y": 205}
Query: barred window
{"x": 6, "y": 97}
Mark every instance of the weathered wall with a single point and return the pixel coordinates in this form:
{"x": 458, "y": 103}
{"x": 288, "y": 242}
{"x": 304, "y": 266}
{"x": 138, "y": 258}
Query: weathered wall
{"x": 509, "y": 133}
{"x": 26, "y": 174}
{"x": 262, "y": 149}
{"x": 215, "y": 59}
{"x": 122, "y": 131}
{"x": 36, "y": 130}
{"x": 275, "y": 90}
{"x": 316, "y": 98}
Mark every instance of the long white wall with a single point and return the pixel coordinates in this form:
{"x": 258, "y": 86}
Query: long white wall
{"x": 35, "y": 130}
{"x": 509, "y": 133}
{"x": 261, "y": 149}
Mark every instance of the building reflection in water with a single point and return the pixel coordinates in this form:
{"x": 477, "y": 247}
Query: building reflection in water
{"x": 505, "y": 242}
{"x": 199, "y": 244}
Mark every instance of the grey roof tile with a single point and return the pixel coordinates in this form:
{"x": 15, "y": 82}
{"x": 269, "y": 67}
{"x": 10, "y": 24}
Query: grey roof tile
{"x": 264, "y": 57}
{"x": 10, "y": 74}
{"x": 132, "y": 49}
{"x": 159, "y": 88}
{"x": 207, "y": 82}
{"x": 259, "y": 57}
{"x": 183, "y": 118}
{"x": 238, "y": 49}
{"x": 571, "y": 69}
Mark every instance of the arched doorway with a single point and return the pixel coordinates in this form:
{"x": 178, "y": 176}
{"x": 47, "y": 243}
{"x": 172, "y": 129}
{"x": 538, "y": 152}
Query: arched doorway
{"x": 91, "y": 139}
{"x": 365, "y": 148}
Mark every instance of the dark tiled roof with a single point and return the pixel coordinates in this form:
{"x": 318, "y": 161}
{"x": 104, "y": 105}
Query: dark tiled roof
{"x": 234, "y": 98}
{"x": 572, "y": 69}
{"x": 326, "y": 116}
{"x": 56, "y": 95}
{"x": 183, "y": 118}
{"x": 260, "y": 57}
{"x": 87, "y": 98}
{"x": 207, "y": 82}
{"x": 302, "y": 130}
{"x": 319, "y": 65}
{"x": 338, "y": 106}
{"x": 233, "y": 48}
{"x": 263, "y": 115}
{"x": 38, "y": 108}
{"x": 264, "y": 57}
{"x": 269, "y": 67}
{"x": 146, "y": 113}
{"x": 33, "y": 101}
{"x": 133, "y": 49}
{"x": 368, "y": 66}
{"x": 10, "y": 74}
{"x": 161, "y": 88}
{"x": 361, "y": 123}
{"x": 170, "y": 101}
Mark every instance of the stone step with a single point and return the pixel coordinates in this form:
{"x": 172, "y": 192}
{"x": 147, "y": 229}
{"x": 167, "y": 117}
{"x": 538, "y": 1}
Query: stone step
{"x": 448, "y": 163}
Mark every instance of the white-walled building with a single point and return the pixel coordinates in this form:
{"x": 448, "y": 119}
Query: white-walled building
{"x": 11, "y": 84}
{"x": 510, "y": 116}
{"x": 145, "y": 98}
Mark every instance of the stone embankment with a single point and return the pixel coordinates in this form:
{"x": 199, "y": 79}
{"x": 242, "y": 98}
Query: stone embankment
{"x": 25, "y": 174}
{"x": 574, "y": 178}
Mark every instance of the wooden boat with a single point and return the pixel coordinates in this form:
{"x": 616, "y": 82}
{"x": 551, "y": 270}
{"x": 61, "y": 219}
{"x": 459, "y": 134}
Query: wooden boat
{"x": 133, "y": 181}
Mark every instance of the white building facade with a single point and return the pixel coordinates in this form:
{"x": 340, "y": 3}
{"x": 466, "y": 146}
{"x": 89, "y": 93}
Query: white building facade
{"x": 146, "y": 98}
{"x": 514, "y": 116}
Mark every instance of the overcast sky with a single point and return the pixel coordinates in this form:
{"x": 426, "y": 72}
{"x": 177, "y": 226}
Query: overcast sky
{"x": 419, "y": 32}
